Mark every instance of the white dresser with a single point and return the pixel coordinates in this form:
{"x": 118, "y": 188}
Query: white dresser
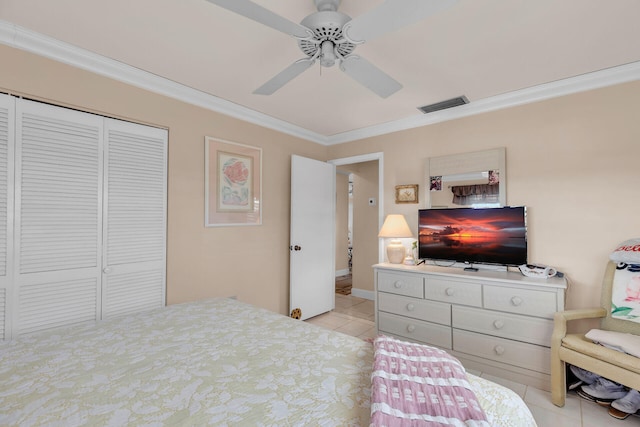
{"x": 495, "y": 322}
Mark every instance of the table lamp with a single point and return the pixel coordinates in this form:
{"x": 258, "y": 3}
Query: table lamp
{"x": 395, "y": 227}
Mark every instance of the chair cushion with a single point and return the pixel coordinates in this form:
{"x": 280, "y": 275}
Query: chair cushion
{"x": 581, "y": 344}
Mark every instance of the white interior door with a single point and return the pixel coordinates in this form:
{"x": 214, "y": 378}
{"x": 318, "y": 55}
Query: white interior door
{"x": 313, "y": 229}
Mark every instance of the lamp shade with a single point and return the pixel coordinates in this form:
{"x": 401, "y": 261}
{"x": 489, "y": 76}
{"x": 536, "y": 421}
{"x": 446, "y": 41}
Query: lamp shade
{"x": 395, "y": 226}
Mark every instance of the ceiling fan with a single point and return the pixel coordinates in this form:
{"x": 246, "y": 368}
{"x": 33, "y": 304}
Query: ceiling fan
{"x": 330, "y": 36}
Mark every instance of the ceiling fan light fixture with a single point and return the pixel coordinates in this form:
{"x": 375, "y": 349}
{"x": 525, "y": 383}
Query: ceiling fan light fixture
{"x": 443, "y": 105}
{"x": 328, "y": 56}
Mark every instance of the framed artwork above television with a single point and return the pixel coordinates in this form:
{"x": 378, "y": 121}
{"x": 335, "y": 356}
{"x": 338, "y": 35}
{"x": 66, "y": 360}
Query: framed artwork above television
{"x": 475, "y": 179}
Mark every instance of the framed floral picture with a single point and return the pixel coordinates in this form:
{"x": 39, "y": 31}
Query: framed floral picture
{"x": 407, "y": 193}
{"x": 233, "y": 183}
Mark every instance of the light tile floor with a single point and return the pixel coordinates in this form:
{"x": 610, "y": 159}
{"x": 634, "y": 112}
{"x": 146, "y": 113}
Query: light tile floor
{"x": 355, "y": 316}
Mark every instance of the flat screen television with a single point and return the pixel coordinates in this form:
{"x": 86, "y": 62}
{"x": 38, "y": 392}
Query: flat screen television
{"x": 474, "y": 235}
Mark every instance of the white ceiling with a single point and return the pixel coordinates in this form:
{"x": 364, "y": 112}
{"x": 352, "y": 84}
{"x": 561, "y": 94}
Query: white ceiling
{"x": 483, "y": 49}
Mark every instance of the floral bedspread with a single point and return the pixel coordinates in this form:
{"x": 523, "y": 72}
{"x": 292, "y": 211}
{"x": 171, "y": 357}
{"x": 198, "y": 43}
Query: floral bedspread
{"x": 217, "y": 362}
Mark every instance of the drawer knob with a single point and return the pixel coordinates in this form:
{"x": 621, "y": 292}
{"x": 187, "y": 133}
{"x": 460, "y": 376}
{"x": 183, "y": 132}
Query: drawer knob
{"x": 499, "y": 350}
{"x": 410, "y": 307}
{"x": 411, "y": 328}
{"x": 398, "y": 284}
{"x": 449, "y": 292}
{"x": 516, "y": 301}
{"x": 498, "y": 324}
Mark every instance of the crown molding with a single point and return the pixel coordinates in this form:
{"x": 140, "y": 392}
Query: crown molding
{"x": 21, "y": 38}
{"x": 595, "y": 80}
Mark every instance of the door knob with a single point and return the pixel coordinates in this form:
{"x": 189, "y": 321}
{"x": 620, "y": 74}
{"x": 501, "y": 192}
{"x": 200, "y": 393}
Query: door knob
{"x": 106, "y": 270}
{"x": 295, "y": 248}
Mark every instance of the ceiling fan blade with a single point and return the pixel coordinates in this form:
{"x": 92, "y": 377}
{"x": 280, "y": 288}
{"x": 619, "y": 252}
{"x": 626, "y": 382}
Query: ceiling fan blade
{"x": 369, "y": 76}
{"x": 285, "y": 76}
{"x": 264, "y": 16}
{"x": 392, "y": 15}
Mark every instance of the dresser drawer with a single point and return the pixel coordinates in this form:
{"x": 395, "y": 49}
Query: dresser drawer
{"x": 416, "y": 330}
{"x": 515, "y": 353}
{"x": 401, "y": 284}
{"x": 453, "y": 292}
{"x": 511, "y": 326}
{"x": 521, "y": 301}
{"x": 430, "y": 311}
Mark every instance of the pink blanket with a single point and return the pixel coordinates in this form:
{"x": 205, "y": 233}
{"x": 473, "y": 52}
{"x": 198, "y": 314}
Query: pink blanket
{"x": 419, "y": 385}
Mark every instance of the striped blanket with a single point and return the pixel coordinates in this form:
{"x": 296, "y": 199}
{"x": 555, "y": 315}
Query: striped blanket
{"x": 419, "y": 385}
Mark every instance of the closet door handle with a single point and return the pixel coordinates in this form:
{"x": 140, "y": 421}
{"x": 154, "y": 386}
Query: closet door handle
{"x": 106, "y": 270}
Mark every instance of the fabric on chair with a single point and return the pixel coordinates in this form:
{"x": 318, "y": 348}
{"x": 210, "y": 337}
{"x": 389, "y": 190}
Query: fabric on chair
{"x": 584, "y": 353}
{"x": 609, "y": 323}
{"x": 625, "y": 294}
{"x": 626, "y": 343}
{"x": 581, "y": 344}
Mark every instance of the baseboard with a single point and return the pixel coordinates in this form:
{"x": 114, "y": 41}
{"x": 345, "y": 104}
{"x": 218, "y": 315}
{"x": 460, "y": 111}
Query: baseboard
{"x": 342, "y": 272}
{"x": 363, "y": 293}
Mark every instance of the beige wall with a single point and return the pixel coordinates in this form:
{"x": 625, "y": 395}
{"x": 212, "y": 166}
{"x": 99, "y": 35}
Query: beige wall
{"x": 342, "y": 221}
{"x": 250, "y": 262}
{"x": 365, "y": 224}
{"x": 574, "y": 161}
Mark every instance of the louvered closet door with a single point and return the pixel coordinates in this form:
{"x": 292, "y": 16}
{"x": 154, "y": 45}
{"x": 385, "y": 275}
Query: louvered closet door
{"x": 7, "y": 127}
{"x": 135, "y": 218}
{"x": 58, "y": 217}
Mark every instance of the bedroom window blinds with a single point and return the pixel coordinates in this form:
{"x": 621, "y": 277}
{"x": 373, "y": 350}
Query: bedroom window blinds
{"x": 83, "y": 208}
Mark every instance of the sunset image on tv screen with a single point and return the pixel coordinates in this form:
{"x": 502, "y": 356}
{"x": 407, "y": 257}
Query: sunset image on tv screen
{"x": 496, "y": 235}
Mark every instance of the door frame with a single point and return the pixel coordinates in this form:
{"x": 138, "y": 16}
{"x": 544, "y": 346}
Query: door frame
{"x": 379, "y": 156}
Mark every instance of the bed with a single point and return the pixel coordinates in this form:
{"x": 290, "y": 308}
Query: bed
{"x": 213, "y": 362}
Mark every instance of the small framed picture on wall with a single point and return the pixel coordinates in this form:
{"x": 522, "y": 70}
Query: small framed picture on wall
{"x": 407, "y": 193}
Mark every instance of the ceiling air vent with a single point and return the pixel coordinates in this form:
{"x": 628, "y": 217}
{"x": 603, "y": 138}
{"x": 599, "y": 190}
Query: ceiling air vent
{"x": 443, "y": 105}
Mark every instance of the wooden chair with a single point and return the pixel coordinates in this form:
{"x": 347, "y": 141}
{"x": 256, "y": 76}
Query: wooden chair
{"x": 577, "y": 350}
